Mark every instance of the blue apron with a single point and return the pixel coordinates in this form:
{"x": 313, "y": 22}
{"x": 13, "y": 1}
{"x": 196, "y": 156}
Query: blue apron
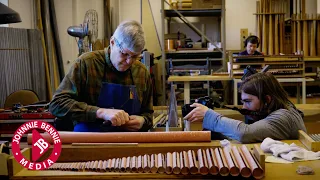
{"x": 113, "y": 96}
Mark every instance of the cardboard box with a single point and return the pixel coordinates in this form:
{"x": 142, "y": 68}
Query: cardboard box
{"x": 206, "y": 4}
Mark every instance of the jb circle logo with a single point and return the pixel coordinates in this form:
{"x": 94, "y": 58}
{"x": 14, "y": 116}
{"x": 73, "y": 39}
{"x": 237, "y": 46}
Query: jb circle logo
{"x": 40, "y": 145}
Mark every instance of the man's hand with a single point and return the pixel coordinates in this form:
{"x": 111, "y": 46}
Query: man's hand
{"x": 135, "y": 123}
{"x": 116, "y": 116}
{"x": 197, "y": 114}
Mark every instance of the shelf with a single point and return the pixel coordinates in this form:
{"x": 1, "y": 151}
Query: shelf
{"x": 198, "y": 78}
{"x": 194, "y": 13}
{"x": 214, "y": 60}
{"x": 274, "y": 13}
{"x": 271, "y": 70}
{"x": 310, "y": 74}
{"x": 192, "y": 60}
{"x": 267, "y": 56}
{"x": 277, "y": 76}
{"x": 265, "y": 62}
{"x": 192, "y": 52}
{"x": 193, "y": 55}
{"x": 311, "y": 59}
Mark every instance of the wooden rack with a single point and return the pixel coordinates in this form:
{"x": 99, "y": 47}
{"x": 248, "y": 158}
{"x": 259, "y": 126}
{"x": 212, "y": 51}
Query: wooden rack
{"x": 194, "y": 155}
{"x": 280, "y": 66}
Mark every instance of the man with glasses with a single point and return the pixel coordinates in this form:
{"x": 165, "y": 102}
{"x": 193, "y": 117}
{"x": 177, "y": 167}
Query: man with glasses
{"x": 108, "y": 90}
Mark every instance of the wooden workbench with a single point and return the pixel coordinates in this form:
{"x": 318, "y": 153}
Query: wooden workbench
{"x": 311, "y": 116}
{"x": 288, "y": 171}
{"x": 272, "y": 171}
{"x": 301, "y": 80}
{"x": 187, "y": 79}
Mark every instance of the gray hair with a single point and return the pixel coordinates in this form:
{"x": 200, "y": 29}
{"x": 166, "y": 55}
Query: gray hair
{"x": 130, "y": 35}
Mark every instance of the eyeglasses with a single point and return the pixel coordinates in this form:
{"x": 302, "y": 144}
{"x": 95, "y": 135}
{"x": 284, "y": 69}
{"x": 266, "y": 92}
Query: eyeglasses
{"x": 126, "y": 55}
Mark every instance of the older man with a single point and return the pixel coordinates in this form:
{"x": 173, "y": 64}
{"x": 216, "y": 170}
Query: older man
{"x": 108, "y": 90}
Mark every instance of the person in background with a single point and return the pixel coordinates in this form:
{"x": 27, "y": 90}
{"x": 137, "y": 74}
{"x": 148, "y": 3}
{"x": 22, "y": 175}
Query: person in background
{"x": 107, "y": 90}
{"x": 251, "y": 44}
{"x": 262, "y": 93}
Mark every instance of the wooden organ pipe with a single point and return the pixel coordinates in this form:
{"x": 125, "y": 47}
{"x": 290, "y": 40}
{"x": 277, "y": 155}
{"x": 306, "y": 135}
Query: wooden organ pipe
{"x": 256, "y": 171}
{"x": 129, "y": 137}
{"x": 313, "y": 37}
{"x": 305, "y": 36}
{"x": 212, "y": 162}
{"x": 216, "y": 161}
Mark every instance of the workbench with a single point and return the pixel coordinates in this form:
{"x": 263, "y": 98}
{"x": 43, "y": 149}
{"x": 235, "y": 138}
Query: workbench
{"x": 69, "y": 153}
{"x": 311, "y": 116}
{"x": 10, "y": 121}
{"x": 281, "y": 80}
{"x": 187, "y": 79}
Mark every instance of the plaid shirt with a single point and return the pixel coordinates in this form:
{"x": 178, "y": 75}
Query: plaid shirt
{"x": 77, "y": 96}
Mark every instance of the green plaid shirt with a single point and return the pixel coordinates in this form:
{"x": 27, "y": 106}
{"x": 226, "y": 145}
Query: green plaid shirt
{"x": 77, "y": 96}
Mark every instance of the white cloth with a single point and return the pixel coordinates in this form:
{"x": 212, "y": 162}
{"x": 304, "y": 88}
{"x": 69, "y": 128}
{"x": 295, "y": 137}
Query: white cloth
{"x": 278, "y": 160}
{"x": 226, "y": 144}
{"x": 288, "y": 152}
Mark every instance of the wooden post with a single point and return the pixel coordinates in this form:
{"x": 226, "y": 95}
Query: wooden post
{"x": 276, "y": 29}
{"x": 294, "y": 33}
{"x": 318, "y": 35}
{"x": 270, "y": 48}
{"x": 281, "y": 29}
{"x": 299, "y": 34}
{"x": 313, "y": 37}
{"x": 305, "y": 36}
{"x": 264, "y": 33}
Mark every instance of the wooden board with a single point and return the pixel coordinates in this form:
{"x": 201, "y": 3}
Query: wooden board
{"x": 313, "y": 39}
{"x": 271, "y": 35}
{"x": 3, "y": 164}
{"x": 276, "y": 35}
{"x": 281, "y": 59}
{"x": 294, "y": 35}
{"x": 265, "y": 30}
{"x": 258, "y": 19}
{"x": 310, "y": 58}
{"x": 318, "y": 36}
{"x": 299, "y": 34}
{"x": 198, "y": 78}
{"x": 309, "y": 142}
{"x": 281, "y": 28}
{"x": 305, "y": 38}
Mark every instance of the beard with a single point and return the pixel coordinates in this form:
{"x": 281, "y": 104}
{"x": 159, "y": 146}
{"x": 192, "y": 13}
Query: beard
{"x": 250, "y": 119}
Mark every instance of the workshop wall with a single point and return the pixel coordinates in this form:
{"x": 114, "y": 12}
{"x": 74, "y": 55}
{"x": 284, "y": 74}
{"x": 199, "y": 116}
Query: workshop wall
{"x": 239, "y": 14}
